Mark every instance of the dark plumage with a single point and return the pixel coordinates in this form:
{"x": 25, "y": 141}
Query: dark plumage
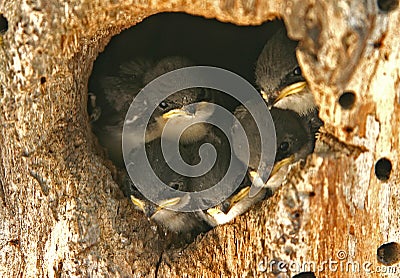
{"x": 280, "y": 80}
{"x": 277, "y": 66}
{"x": 119, "y": 92}
{"x": 293, "y": 142}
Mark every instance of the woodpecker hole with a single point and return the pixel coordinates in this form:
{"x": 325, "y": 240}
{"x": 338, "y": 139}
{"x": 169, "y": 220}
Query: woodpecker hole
{"x": 388, "y": 5}
{"x": 348, "y": 129}
{"x": 296, "y": 215}
{"x": 383, "y": 168}
{"x": 42, "y": 80}
{"x": 389, "y": 253}
{"x": 347, "y": 99}
{"x": 308, "y": 274}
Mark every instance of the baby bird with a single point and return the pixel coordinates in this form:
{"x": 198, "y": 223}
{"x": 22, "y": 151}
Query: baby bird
{"x": 167, "y": 213}
{"x": 182, "y": 108}
{"x": 294, "y": 142}
{"x": 280, "y": 79}
{"x": 279, "y": 76}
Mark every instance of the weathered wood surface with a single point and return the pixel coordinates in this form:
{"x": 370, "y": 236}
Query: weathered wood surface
{"x": 61, "y": 213}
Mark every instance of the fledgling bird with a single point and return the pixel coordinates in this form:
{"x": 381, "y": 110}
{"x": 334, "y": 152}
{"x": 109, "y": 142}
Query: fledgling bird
{"x": 292, "y": 137}
{"x": 165, "y": 213}
{"x": 279, "y": 76}
{"x": 293, "y": 141}
{"x": 197, "y": 221}
{"x": 280, "y": 79}
{"x": 120, "y": 91}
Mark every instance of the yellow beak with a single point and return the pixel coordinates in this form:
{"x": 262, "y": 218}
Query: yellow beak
{"x": 255, "y": 178}
{"x": 291, "y": 90}
{"x": 242, "y": 193}
{"x": 281, "y": 163}
{"x": 139, "y": 203}
{"x": 175, "y": 113}
{"x": 169, "y": 203}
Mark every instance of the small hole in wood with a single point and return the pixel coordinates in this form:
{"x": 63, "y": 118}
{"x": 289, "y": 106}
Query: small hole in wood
{"x": 347, "y": 99}
{"x": 348, "y": 129}
{"x": 386, "y": 56}
{"x": 383, "y": 168}
{"x": 42, "y": 80}
{"x": 3, "y": 24}
{"x": 351, "y": 230}
{"x": 296, "y": 214}
{"x": 308, "y": 274}
{"x": 388, "y": 5}
{"x": 14, "y": 242}
{"x": 389, "y": 253}
{"x": 377, "y": 44}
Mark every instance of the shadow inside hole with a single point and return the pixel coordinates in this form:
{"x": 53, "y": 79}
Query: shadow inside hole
{"x": 348, "y": 129}
{"x": 3, "y": 24}
{"x": 347, "y": 99}
{"x": 204, "y": 41}
{"x": 389, "y": 253}
{"x": 388, "y": 5}
{"x": 383, "y": 169}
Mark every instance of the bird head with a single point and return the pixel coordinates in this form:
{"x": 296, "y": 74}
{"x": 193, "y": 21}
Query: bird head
{"x": 278, "y": 74}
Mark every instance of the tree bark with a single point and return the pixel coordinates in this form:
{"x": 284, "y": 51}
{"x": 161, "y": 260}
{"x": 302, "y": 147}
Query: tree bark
{"x": 63, "y": 215}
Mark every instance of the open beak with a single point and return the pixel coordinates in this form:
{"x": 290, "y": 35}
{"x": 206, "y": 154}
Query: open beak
{"x": 291, "y": 90}
{"x": 150, "y": 210}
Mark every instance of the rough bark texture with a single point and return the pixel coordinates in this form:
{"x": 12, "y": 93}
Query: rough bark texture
{"x": 62, "y": 214}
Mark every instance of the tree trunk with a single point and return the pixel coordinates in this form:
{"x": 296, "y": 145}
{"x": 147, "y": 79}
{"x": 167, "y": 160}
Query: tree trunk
{"x": 63, "y": 215}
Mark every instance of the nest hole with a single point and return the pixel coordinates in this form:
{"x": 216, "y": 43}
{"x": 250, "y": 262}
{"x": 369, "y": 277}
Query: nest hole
{"x": 206, "y": 42}
{"x": 43, "y": 80}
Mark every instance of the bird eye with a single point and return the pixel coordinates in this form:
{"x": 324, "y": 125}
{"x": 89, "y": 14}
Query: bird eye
{"x": 297, "y": 71}
{"x": 163, "y": 105}
{"x": 284, "y": 146}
